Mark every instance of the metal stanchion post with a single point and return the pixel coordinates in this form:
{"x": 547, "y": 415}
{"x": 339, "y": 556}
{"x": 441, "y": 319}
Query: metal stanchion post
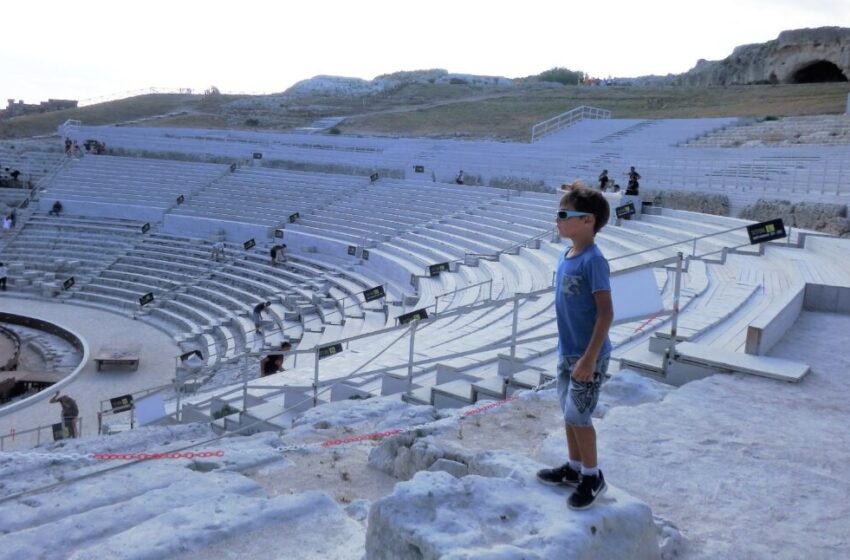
{"x": 316, "y": 378}
{"x": 674, "y": 322}
{"x": 410, "y": 357}
{"x": 245, "y": 383}
{"x": 514, "y": 328}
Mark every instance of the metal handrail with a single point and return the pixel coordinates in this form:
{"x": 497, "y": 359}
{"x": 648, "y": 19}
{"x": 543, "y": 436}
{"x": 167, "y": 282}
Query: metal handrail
{"x": 464, "y": 288}
{"x": 517, "y": 245}
{"x": 566, "y": 119}
{"x": 17, "y": 433}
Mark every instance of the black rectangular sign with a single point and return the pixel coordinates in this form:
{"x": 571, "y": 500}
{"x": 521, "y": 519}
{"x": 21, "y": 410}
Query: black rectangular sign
{"x": 374, "y": 293}
{"x": 122, "y": 403}
{"x": 278, "y": 233}
{"x": 146, "y": 299}
{"x": 365, "y": 254}
{"x": 436, "y": 269}
{"x": 374, "y": 177}
{"x": 419, "y": 169}
{"x": 330, "y": 350}
{"x": 294, "y": 217}
{"x": 181, "y": 199}
{"x": 417, "y": 315}
{"x": 625, "y": 210}
{"x": 352, "y": 250}
{"x": 59, "y": 431}
{"x": 146, "y": 228}
{"x": 766, "y": 231}
{"x": 249, "y": 244}
{"x": 68, "y": 284}
{"x": 258, "y": 155}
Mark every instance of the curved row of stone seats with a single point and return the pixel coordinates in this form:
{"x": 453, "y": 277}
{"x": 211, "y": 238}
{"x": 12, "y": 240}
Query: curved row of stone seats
{"x": 546, "y": 161}
{"x": 33, "y": 159}
{"x": 456, "y": 381}
{"x": 264, "y": 198}
{"x": 126, "y": 187}
{"x": 819, "y": 129}
{"x": 675, "y": 232}
{"x": 50, "y": 249}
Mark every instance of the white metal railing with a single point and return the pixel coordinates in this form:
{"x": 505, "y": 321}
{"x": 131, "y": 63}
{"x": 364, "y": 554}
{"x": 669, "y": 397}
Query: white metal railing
{"x": 569, "y": 118}
{"x": 738, "y": 178}
{"x": 25, "y": 437}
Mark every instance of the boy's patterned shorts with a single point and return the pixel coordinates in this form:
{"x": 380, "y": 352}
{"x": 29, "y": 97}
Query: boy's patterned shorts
{"x": 578, "y": 399}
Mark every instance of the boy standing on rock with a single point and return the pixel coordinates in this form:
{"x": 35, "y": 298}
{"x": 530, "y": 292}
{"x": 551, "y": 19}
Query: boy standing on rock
{"x": 584, "y": 313}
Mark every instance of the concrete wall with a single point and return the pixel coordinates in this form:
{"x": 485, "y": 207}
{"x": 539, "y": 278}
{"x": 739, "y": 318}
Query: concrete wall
{"x": 772, "y": 324}
{"x": 820, "y": 297}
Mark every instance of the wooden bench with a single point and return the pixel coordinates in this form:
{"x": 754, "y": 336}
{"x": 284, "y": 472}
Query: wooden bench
{"x": 118, "y": 355}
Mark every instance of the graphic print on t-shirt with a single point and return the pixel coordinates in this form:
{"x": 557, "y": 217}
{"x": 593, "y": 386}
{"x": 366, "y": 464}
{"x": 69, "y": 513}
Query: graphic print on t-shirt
{"x": 571, "y": 285}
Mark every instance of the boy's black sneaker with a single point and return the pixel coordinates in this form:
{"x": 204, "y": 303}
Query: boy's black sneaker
{"x": 588, "y": 490}
{"x": 564, "y": 475}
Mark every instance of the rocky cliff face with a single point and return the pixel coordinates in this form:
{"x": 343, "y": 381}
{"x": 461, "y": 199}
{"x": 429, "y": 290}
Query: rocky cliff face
{"x": 341, "y": 86}
{"x": 797, "y": 56}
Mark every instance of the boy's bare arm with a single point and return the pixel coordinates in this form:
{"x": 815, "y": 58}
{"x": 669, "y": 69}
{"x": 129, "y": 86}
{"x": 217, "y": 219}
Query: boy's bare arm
{"x": 583, "y": 370}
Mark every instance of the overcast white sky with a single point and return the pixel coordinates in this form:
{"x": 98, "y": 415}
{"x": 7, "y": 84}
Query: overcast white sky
{"x": 89, "y": 48}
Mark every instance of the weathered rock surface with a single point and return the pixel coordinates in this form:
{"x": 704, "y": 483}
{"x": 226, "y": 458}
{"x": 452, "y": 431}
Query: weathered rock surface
{"x": 717, "y": 204}
{"x": 828, "y": 218}
{"x": 790, "y": 58}
{"x": 436, "y": 515}
{"x": 355, "y": 87}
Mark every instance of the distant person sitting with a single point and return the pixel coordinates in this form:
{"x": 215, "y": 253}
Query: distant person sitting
{"x": 634, "y": 185}
{"x": 258, "y": 317}
{"x": 56, "y": 209}
{"x": 271, "y": 365}
{"x": 69, "y": 413}
{"x": 278, "y": 253}
{"x": 217, "y": 250}
{"x": 603, "y": 180}
{"x": 459, "y": 178}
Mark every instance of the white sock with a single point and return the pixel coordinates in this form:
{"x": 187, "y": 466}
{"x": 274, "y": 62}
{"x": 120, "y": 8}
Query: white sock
{"x": 575, "y": 465}
{"x": 589, "y": 471}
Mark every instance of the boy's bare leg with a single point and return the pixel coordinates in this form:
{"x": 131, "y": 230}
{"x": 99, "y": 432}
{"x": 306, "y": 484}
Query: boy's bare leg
{"x": 585, "y": 438}
{"x": 573, "y": 448}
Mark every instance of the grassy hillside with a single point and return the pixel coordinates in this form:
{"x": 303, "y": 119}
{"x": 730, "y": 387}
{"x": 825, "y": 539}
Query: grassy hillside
{"x": 511, "y": 116}
{"x": 445, "y": 110}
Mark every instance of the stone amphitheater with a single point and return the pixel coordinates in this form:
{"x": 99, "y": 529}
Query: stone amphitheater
{"x": 376, "y": 231}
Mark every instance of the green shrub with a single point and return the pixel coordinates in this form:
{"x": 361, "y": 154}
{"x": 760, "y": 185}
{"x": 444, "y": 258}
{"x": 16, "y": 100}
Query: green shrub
{"x": 562, "y": 76}
{"x": 252, "y": 122}
{"x": 334, "y": 130}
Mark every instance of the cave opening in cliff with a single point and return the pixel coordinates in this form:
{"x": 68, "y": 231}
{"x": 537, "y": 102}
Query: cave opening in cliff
{"x": 816, "y": 72}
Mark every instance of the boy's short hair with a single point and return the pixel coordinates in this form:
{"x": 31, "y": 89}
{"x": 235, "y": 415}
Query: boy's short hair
{"x": 584, "y": 199}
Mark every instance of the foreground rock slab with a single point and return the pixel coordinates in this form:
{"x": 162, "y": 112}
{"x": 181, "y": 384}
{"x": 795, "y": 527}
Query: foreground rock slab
{"x": 435, "y": 515}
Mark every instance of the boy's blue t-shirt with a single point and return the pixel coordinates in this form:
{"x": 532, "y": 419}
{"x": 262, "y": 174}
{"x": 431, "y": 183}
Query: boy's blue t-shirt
{"x": 576, "y": 280}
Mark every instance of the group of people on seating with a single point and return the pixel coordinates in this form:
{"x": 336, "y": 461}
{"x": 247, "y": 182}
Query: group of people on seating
{"x": 10, "y": 177}
{"x": 633, "y": 186}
